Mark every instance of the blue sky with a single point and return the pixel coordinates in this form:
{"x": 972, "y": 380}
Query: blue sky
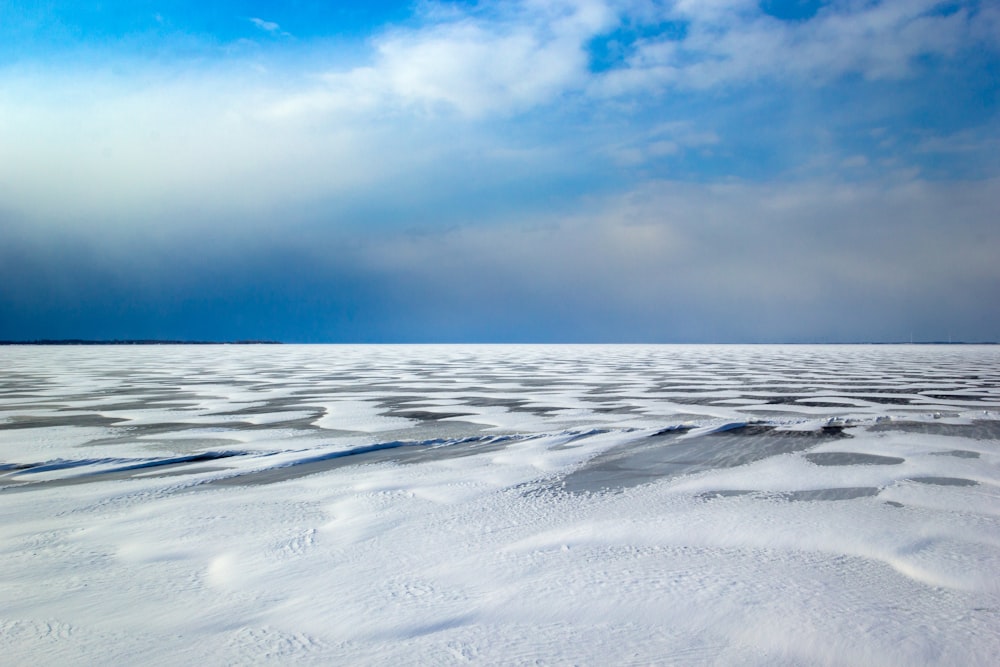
{"x": 571, "y": 170}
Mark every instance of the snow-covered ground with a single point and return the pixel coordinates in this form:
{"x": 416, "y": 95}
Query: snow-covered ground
{"x": 500, "y": 505}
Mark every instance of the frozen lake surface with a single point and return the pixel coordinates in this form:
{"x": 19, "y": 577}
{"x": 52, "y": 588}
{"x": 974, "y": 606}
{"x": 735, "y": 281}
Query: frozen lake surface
{"x": 735, "y": 505}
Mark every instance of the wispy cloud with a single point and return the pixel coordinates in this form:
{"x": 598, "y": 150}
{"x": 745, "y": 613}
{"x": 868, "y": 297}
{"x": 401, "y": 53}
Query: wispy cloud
{"x": 266, "y": 26}
{"x": 269, "y": 27}
{"x": 523, "y": 54}
{"x": 663, "y": 140}
{"x": 732, "y": 42}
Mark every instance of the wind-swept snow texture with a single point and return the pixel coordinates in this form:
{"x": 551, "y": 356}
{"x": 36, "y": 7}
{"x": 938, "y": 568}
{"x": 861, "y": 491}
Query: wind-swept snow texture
{"x": 674, "y": 505}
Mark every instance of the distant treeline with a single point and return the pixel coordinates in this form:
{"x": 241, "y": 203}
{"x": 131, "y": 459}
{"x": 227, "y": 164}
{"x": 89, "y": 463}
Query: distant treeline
{"x": 137, "y": 341}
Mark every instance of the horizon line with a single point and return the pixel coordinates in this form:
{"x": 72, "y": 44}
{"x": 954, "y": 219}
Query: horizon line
{"x": 159, "y": 341}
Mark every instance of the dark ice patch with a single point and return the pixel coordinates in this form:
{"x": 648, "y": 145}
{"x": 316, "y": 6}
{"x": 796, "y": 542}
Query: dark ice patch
{"x": 944, "y": 481}
{"x": 121, "y": 465}
{"x": 979, "y": 429}
{"x": 887, "y": 400}
{"x": 20, "y": 477}
{"x": 958, "y": 453}
{"x": 727, "y": 493}
{"x": 847, "y": 493}
{"x": 665, "y": 455}
{"x": 425, "y": 415}
{"x": 89, "y": 420}
{"x": 576, "y": 437}
{"x": 823, "y": 404}
{"x": 851, "y": 458}
{"x": 402, "y": 452}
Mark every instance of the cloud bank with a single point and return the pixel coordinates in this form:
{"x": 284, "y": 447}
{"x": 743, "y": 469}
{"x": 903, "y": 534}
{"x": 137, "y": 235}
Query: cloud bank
{"x": 521, "y": 170}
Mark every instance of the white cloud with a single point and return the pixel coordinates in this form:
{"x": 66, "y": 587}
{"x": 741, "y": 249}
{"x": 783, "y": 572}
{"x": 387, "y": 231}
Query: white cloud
{"x": 731, "y": 42}
{"x": 114, "y": 151}
{"x": 521, "y": 55}
{"x": 266, "y": 26}
{"x": 99, "y": 145}
{"x": 269, "y": 27}
{"x": 512, "y": 56}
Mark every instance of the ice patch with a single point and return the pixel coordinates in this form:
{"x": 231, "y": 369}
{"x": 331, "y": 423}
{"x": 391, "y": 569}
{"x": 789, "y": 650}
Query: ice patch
{"x": 564, "y": 505}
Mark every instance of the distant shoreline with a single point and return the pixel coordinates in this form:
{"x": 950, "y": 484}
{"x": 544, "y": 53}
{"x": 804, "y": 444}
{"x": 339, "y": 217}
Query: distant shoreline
{"x": 138, "y": 341}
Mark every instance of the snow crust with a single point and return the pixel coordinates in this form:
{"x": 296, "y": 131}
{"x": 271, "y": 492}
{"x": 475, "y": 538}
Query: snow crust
{"x": 500, "y": 505}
